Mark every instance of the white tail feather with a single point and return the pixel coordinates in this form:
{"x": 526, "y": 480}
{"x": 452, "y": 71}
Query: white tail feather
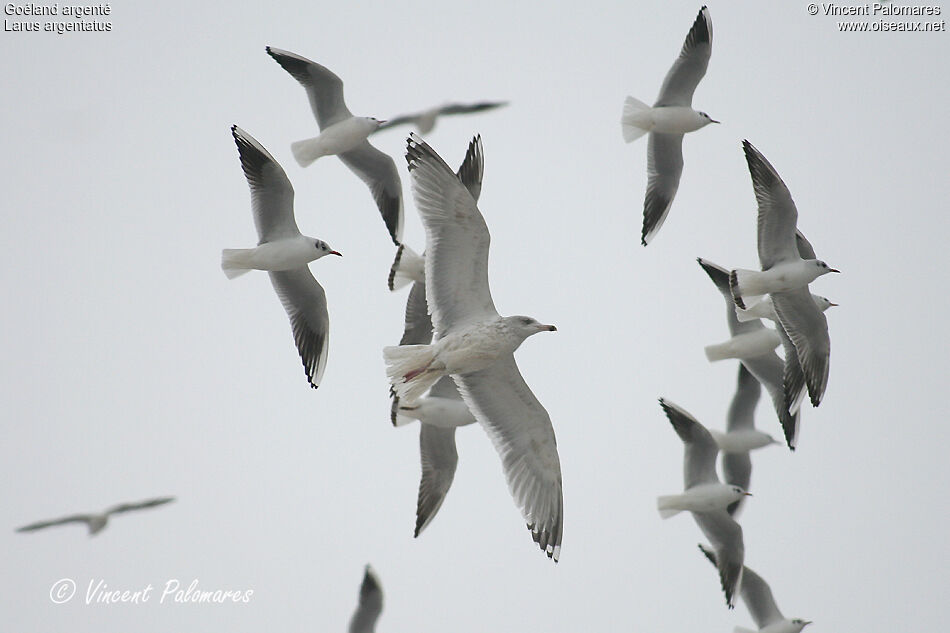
{"x": 306, "y": 151}
{"x": 663, "y": 504}
{"x": 744, "y": 316}
{"x": 416, "y": 361}
{"x": 636, "y": 120}
{"x": 742, "y": 629}
{"x": 234, "y": 262}
{"x": 718, "y": 351}
{"x": 405, "y": 267}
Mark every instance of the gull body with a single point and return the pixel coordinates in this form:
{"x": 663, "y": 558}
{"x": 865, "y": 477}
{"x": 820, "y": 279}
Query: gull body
{"x": 667, "y": 121}
{"x": 338, "y": 138}
{"x": 782, "y": 277}
{"x": 701, "y": 498}
{"x": 474, "y": 344}
{"x": 765, "y": 309}
{"x": 741, "y": 441}
{"x": 437, "y": 411}
{"x": 281, "y": 254}
{"x": 747, "y": 345}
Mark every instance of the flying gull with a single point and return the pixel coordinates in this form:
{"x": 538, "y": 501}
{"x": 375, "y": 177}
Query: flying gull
{"x": 706, "y": 498}
{"x": 667, "y": 121}
{"x": 97, "y": 522}
{"x": 475, "y": 345}
{"x": 284, "y": 253}
{"x": 370, "y": 604}
{"x": 426, "y": 119}
{"x": 344, "y": 135}
{"x": 757, "y": 595}
{"x": 768, "y": 368}
{"x": 785, "y": 274}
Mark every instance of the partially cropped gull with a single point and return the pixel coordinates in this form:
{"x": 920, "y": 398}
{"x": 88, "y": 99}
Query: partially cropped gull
{"x": 475, "y": 345}
{"x": 284, "y": 253}
{"x": 370, "y": 604}
{"x": 667, "y": 121}
{"x": 345, "y": 135}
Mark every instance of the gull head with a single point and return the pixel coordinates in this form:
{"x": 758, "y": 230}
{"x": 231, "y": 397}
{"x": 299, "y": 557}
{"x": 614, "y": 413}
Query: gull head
{"x": 823, "y": 303}
{"x": 525, "y": 326}
{"x": 373, "y": 123}
{"x": 800, "y": 624}
{"x": 823, "y": 268}
{"x": 739, "y": 492}
{"x": 706, "y": 118}
{"x": 324, "y": 249}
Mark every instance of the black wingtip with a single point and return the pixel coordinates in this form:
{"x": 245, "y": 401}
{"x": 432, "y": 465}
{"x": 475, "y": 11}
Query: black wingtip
{"x": 392, "y": 269}
{"x": 734, "y": 288}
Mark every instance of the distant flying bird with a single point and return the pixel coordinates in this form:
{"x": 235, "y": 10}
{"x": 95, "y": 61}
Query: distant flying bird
{"x": 475, "y": 345}
{"x": 284, "y": 253}
{"x": 768, "y": 368}
{"x": 426, "y": 119}
{"x": 344, "y": 135}
{"x": 706, "y": 498}
{"x": 758, "y": 599}
{"x": 667, "y": 121}
{"x": 97, "y": 522}
{"x": 785, "y": 274}
{"x": 370, "y": 604}
{"x": 741, "y": 436}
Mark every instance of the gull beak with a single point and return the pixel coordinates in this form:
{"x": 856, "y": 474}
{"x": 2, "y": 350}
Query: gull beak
{"x": 383, "y": 121}
{"x": 834, "y": 270}
{"x": 547, "y": 328}
{"x": 833, "y": 305}
{"x": 337, "y": 253}
{"x": 748, "y": 494}
{"x": 714, "y": 121}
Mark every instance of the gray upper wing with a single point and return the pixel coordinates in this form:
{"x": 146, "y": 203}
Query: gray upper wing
{"x": 664, "y": 168}
{"x": 778, "y": 215}
{"x": 699, "y": 462}
{"x": 439, "y": 460}
{"x": 141, "y": 505}
{"x": 741, "y": 413}
{"x": 690, "y": 67}
{"x": 272, "y": 195}
{"x": 472, "y": 168}
{"x": 418, "y": 328}
{"x": 370, "y": 604}
{"x": 725, "y": 535}
{"x": 807, "y": 328}
{"x": 378, "y": 170}
{"x": 324, "y": 89}
{"x": 306, "y": 305}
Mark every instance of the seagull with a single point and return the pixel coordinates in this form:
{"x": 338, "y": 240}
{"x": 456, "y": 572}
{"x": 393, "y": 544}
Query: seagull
{"x": 370, "y": 605}
{"x": 768, "y": 368}
{"x": 741, "y": 436}
{"x": 408, "y": 266}
{"x": 475, "y": 345}
{"x": 786, "y": 274}
{"x": 425, "y": 120}
{"x": 667, "y": 121}
{"x": 284, "y": 253}
{"x": 344, "y": 135}
{"x": 97, "y": 522}
{"x": 439, "y": 413}
{"x": 758, "y": 599}
{"x": 706, "y": 498}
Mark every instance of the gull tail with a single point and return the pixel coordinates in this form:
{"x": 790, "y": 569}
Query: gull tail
{"x": 398, "y": 275}
{"x": 744, "y": 316}
{"x": 411, "y": 370}
{"x": 665, "y": 505}
{"x": 306, "y": 151}
{"x": 398, "y": 419}
{"x": 719, "y": 351}
{"x": 636, "y": 120}
{"x": 235, "y": 261}
{"x": 738, "y": 285}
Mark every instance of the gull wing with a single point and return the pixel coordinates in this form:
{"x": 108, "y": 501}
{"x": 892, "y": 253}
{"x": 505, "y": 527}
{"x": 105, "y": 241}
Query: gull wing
{"x": 664, "y": 168}
{"x": 741, "y": 413}
{"x": 39, "y": 525}
{"x": 457, "y": 242}
{"x": 418, "y": 328}
{"x": 725, "y": 535}
{"x": 778, "y": 215}
{"x": 472, "y": 168}
{"x": 439, "y": 460}
{"x": 521, "y": 431}
{"x": 324, "y": 89}
{"x": 306, "y": 305}
{"x": 378, "y": 171}
{"x": 141, "y": 505}
{"x": 807, "y": 328}
{"x": 690, "y": 67}
{"x": 699, "y": 462}
{"x": 272, "y": 195}
{"x": 756, "y": 594}
{"x": 370, "y": 604}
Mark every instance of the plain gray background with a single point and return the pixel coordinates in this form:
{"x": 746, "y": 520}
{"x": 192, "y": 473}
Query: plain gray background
{"x": 133, "y": 368}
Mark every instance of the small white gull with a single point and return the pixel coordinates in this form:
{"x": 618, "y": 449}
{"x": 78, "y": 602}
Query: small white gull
{"x": 757, "y": 595}
{"x": 284, "y": 253}
{"x": 97, "y": 522}
{"x": 344, "y": 135}
{"x": 426, "y": 119}
{"x": 370, "y": 604}
{"x": 667, "y": 121}
{"x": 475, "y": 345}
{"x": 706, "y": 498}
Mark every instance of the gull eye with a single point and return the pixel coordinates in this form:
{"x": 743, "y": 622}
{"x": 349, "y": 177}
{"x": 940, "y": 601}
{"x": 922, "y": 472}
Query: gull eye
{"x": 526, "y": 321}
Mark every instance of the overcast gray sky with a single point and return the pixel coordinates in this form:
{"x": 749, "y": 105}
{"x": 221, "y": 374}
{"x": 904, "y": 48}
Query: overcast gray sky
{"x": 133, "y": 368}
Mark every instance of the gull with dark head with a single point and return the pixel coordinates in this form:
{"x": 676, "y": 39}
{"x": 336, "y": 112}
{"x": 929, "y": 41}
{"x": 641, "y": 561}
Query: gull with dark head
{"x": 96, "y": 522}
{"x": 475, "y": 345}
{"x": 426, "y": 119}
{"x": 785, "y": 275}
{"x": 345, "y": 135}
{"x": 284, "y": 253}
{"x": 757, "y": 595}
{"x": 370, "y": 605}
{"x": 706, "y": 497}
{"x": 667, "y": 121}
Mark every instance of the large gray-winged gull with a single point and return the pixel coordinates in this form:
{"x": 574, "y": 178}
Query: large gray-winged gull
{"x": 344, "y": 135}
{"x": 757, "y": 595}
{"x": 425, "y": 120}
{"x": 97, "y": 522}
{"x": 667, "y": 121}
{"x": 706, "y": 498}
{"x": 785, "y": 274}
{"x": 768, "y": 368}
{"x": 370, "y": 604}
{"x": 284, "y": 253}
{"x": 475, "y": 345}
